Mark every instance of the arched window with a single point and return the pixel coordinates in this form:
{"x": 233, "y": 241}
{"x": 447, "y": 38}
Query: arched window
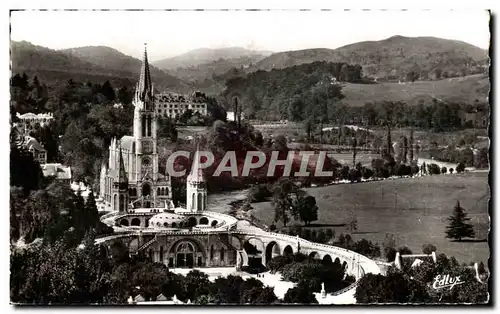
{"x": 192, "y": 201}
{"x": 143, "y": 126}
{"x": 165, "y": 224}
{"x": 122, "y": 203}
{"x": 200, "y": 202}
{"x": 174, "y": 225}
{"x": 115, "y": 206}
{"x": 146, "y": 190}
{"x": 158, "y": 191}
{"x": 222, "y": 254}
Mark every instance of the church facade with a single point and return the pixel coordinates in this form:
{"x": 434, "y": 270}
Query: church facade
{"x": 130, "y": 178}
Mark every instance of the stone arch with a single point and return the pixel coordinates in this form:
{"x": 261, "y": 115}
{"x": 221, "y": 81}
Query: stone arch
{"x": 203, "y": 221}
{"x": 191, "y": 222}
{"x": 287, "y": 250}
{"x": 174, "y": 225}
{"x": 124, "y": 222}
{"x": 327, "y": 259}
{"x": 118, "y": 249}
{"x": 188, "y": 252}
{"x": 253, "y": 246}
{"x": 133, "y": 246}
{"x": 214, "y": 223}
{"x": 313, "y": 255}
{"x": 135, "y": 222}
{"x": 345, "y": 266}
{"x": 272, "y": 250}
{"x": 337, "y": 261}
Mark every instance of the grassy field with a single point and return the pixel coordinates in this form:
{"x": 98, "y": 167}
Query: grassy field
{"x": 463, "y": 89}
{"x": 414, "y": 210}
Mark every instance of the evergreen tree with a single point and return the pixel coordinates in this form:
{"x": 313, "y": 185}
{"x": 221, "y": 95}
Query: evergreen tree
{"x": 91, "y": 210}
{"x": 458, "y": 227}
{"x": 410, "y": 144}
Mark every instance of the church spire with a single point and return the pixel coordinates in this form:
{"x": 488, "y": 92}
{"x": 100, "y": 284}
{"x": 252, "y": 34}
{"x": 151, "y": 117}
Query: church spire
{"x": 145, "y": 86}
{"x": 122, "y": 178}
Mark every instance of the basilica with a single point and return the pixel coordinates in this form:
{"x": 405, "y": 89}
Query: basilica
{"x": 130, "y": 177}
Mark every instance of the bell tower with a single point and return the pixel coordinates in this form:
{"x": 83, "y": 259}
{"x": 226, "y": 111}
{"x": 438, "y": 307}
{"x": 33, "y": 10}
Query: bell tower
{"x": 196, "y": 191}
{"x": 145, "y": 128}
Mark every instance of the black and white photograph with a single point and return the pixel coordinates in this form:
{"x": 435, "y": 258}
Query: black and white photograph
{"x": 250, "y": 157}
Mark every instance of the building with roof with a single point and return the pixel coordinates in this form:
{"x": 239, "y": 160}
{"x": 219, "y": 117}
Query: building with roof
{"x": 29, "y": 122}
{"x": 36, "y": 149}
{"x": 59, "y": 171}
{"x": 174, "y": 105}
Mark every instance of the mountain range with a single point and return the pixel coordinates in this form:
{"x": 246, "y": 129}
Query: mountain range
{"x": 94, "y": 63}
{"x": 393, "y": 58}
{"x": 200, "y": 56}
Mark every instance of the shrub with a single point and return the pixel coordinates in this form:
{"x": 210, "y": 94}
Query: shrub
{"x": 460, "y": 167}
{"x": 405, "y": 251}
{"x": 451, "y": 170}
{"x": 444, "y": 170}
{"x": 390, "y": 254}
{"x": 428, "y": 248}
{"x": 433, "y": 169}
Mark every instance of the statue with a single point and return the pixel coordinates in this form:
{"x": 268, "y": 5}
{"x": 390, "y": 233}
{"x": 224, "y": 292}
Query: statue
{"x": 323, "y": 292}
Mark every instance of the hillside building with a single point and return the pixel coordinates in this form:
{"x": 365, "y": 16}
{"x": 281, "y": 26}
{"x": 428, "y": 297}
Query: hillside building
{"x": 174, "y": 105}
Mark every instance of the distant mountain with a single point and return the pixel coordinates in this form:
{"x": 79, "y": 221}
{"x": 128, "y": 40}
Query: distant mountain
{"x": 96, "y": 63}
{"x": 393, "y": 58}
{"x": 207, "y": 55}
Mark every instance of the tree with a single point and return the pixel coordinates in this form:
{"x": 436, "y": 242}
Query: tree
{"x": 460, "y": 167}
{"x": 300, "y": 294}
{"x": 91, "y": 211}
{"x": 282, "y": 200}
{"x": 458, "y": 227}
{"x": 108, "y": 91}
{"x": 451, "y": 170}
{"x": 305, "y": 208}
{"x": 428, "y": 248}
{"x": 410, "y": 144}
{"x": 444, "y": 170}
{"x": 389, "y": 247}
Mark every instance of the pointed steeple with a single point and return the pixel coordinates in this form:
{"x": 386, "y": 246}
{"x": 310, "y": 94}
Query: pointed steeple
{"x": 122, "y": 177}
{"x": 145, "y": 86}
{"x": 196, "y": 174}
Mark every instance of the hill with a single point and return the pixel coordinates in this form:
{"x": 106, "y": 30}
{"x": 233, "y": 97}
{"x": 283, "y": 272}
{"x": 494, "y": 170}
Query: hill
{"x": 393, "y": 58}
{"x": 96, "y": 64}
{"x": 207, "y": 55}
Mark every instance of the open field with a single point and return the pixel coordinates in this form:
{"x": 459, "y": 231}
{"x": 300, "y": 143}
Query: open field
{"x": 414, "y": 210}
{"x": 461, "y": 89}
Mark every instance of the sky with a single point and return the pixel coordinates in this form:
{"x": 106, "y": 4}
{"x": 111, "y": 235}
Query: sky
{"x": 170, "y": 33}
